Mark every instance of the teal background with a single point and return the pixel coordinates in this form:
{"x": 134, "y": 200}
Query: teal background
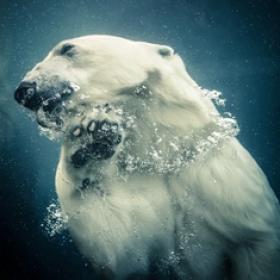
{"x": 231, "y": 46}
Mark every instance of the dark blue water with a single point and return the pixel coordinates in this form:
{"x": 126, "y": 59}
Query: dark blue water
{"x": 232, "y": 46}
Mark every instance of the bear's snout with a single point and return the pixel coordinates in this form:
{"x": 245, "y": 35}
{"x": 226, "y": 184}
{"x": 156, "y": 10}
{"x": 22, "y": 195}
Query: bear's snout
{"x": 26, "y": 94}
{"x": 47, "y": 96}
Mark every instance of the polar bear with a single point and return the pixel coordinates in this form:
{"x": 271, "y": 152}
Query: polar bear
{"x": 151, "y": 177}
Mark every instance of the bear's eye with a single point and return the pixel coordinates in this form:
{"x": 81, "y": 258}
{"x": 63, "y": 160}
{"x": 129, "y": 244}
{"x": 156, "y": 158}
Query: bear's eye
{"x": 67, "y": 49}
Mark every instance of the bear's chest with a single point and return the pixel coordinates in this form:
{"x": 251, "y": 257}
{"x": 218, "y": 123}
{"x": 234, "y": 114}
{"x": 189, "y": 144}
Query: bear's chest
{"x": 114, "y": 220}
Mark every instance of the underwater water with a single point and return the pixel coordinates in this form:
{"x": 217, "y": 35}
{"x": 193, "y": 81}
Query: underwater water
{"x": 233, "y": 47}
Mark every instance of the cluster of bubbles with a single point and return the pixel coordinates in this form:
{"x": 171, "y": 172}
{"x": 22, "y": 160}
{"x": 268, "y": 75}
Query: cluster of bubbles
{"x": 226, "y": 125}
{"x": 179, "y": 153}
{"x": 215, "y": 96}
{"x": 55, "y": 221}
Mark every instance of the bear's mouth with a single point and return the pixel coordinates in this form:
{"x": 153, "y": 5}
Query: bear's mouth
{"x": 50, "y": 113}
{"x": 51, "y": 119}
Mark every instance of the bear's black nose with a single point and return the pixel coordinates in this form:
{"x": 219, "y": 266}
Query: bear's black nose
{"x": 25, "y": 94}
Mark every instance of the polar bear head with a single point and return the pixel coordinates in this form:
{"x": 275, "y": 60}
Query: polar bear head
{"x": 143, "y": 88}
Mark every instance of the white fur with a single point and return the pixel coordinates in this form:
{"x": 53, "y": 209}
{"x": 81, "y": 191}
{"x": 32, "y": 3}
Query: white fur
{"x": 189, "y": 213}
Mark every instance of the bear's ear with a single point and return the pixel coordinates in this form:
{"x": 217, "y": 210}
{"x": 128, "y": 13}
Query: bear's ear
{"x": 165, "y": 51}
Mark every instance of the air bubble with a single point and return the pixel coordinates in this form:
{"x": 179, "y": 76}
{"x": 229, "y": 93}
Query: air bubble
{"x": 56, "y": 221}
{"x": 74, "y": 86}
